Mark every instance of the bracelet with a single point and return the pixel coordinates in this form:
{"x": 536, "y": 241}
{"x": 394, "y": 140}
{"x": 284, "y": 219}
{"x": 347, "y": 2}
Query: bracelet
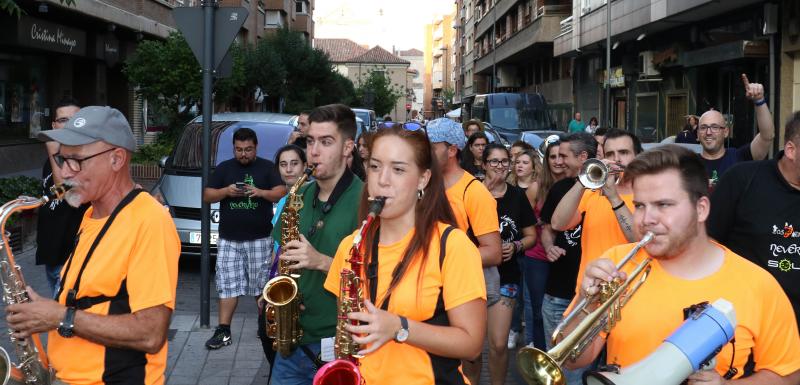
{"x": 619, "y": 206}
{"x": 760, "y": 102}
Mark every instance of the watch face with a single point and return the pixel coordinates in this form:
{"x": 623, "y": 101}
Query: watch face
{"x": 402, "y": 335}
{"x": 65, "y": 332}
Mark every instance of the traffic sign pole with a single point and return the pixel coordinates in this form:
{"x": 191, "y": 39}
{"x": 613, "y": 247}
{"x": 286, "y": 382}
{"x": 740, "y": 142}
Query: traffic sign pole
{"x": 205, "y": 230}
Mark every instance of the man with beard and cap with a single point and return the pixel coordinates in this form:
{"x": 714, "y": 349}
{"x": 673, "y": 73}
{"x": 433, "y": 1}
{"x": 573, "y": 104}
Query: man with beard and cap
{"x": 246, "y": 186}
{"x": 688, "y": 268}
{"x": 112, "y": 311}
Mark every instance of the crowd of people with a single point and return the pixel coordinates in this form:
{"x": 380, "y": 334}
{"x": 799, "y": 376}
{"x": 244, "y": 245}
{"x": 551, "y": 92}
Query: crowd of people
{"x": 477, "y": 243}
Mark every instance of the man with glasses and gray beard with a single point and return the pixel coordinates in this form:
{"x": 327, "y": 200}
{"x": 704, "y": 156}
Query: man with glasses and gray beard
{"x": 111, "y": 315}
{"x": 713, "y": 130}
{"x": 57, "y": 222}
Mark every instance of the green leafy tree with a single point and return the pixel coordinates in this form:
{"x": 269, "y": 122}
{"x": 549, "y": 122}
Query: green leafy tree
{"x": 375, "y": 90}
{"x": 168, "y": 76}
{"x": 448, "y": 94}
{"x": 11, "y": 7}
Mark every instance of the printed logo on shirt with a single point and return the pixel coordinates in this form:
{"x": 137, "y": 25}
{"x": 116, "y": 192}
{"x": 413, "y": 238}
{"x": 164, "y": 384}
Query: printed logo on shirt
{"x": 509, "y": 228}
{"x": 573, "y": 236}
{"x": 783, "y": 265}
{"x": 245, "y": 204}
{"x": 786, "y": 231}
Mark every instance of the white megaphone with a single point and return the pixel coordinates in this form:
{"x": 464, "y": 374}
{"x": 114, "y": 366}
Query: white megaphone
{"x": 684, "y": 352}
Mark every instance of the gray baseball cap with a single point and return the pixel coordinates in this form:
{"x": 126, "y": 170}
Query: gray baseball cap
{"x": 92, "y": 124}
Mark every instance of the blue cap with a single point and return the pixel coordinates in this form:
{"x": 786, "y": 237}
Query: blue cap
{"x": 446, "y": 130}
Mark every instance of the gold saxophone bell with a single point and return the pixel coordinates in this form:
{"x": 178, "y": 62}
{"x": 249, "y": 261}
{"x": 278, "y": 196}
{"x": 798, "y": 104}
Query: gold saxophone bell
{"x": 545, "y": 368}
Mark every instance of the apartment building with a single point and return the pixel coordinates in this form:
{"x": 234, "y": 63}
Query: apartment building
{"x": 439, "y": 76}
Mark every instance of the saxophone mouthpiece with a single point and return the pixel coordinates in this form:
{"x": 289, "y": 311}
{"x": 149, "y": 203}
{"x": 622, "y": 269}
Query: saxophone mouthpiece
{"x": 310, "y": 170}
{"x": 376, "y": 205}
{"x": 57, "y": 191}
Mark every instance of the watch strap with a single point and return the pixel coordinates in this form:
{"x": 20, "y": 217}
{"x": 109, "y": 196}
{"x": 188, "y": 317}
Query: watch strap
{"x": 65, "y": 328}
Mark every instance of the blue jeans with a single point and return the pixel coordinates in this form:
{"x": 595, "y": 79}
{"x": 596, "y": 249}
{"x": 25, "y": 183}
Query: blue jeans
{"x": 553, "y": 309}
{"x": 53, "y": 273}
{"x": 535, "y": 272}
{"x": 297, "y": 369}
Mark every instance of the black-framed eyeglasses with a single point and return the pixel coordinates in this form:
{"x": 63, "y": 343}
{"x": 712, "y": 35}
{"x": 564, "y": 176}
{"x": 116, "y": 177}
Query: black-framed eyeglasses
{"x": 76, "y": 164}
{"x": 714, "y": 128}
{"x": 410, "y": 126}
{"x": 494, "y": 162}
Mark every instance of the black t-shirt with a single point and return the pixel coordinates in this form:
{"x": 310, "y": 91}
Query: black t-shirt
{"x": 563, "y": 276}
{"x": 686, "y": 136}
{"x": 471, "y": 168}
{"x": 755, "y": 212}
{"x": 514, "y": 212}
{"x": 731, "y": 157}
{"x": 57, "y": 224}
{"x": 301, "y": 141}
{"x": 245, "y": 218}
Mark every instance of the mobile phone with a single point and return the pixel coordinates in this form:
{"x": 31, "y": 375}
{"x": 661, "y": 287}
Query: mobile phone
{"x": 240, "y": 185}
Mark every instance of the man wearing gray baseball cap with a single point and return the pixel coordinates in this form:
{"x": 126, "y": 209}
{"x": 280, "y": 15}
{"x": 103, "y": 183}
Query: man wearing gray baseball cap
{"x": 109, "y": 321}
{"x": 475, "y": 210}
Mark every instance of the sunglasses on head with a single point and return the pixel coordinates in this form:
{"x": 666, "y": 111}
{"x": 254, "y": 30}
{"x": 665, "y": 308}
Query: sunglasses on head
{"x": 410, "y": 126}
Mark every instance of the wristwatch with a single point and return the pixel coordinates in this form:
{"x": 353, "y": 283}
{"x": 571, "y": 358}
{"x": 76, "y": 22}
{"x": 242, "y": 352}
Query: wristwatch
{"x": 402, "y": 334}
{"x": 65, "y": 328}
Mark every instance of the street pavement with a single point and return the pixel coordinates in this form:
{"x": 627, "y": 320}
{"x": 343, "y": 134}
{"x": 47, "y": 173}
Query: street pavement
{"x": 189, "y": 362}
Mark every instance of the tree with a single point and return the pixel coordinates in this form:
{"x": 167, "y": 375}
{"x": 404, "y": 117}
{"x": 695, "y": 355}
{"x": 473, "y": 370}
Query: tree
{"x": 11, "y": 7}
{"x": 375, "y": 90}
{"x": 168, "y": 76}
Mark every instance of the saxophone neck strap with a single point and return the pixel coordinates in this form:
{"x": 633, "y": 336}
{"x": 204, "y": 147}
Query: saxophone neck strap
{"x": 72, "y": 301}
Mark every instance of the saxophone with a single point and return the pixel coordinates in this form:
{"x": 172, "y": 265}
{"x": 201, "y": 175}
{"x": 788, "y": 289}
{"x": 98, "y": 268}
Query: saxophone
{"x": 344, "y": 370}
{"x": 33, "y": 368}
{"x": 281, "y": 292}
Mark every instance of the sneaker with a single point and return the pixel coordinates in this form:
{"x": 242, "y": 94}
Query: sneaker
{"x": 220, "y": 338}
{"x": 513, "y": 336}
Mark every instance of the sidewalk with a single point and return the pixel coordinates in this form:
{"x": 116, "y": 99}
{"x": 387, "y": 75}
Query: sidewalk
{"x": 189, "y": 362}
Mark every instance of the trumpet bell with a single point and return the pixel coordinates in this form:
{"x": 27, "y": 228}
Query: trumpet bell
{"x": 593, "y": 174}
{"x": 538, "y": 368}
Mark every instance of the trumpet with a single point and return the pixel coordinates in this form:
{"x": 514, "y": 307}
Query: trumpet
{"x": 594, "y": 173}
{"x": 538, "y": 367}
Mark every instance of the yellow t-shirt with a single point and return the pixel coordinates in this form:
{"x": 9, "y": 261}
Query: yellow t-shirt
{"x": 460, "y": 280}
{"x": 601, "y": 229}
{"x": 142, "y": 248}
{"x": 475, "y": 202}
{"x": 765, "y": 319}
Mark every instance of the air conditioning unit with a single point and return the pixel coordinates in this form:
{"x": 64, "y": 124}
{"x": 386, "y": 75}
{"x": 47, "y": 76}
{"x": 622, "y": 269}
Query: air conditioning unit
{"x": 646, "y": 67}
{"x": 507, "y": 76}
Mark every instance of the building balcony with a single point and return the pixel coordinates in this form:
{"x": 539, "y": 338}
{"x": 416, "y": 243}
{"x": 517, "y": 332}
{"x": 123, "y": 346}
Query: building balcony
{"x": 303, "y": 23}
{"x": 284, "y": 6}
{"x": 522, "y": 44}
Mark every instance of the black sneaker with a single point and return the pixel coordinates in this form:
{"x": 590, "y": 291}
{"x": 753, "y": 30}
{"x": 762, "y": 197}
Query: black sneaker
{"x": 220, "y": 338}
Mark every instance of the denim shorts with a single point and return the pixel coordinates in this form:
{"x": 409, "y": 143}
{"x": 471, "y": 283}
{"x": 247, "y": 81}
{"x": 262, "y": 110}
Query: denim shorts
{"x": 509, "y": 290}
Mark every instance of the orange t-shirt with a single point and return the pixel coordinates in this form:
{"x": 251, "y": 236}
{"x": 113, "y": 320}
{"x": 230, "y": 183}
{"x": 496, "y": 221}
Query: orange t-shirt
{"x": 765, "y": 319}
{"x": 460, "y": 280}
{"x": 474, "y": 202}
{"x": 601, "y": 229}
{"x": 142, "y": 248}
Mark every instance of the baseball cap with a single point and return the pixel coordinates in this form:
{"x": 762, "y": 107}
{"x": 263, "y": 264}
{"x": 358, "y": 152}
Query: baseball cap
{"x": 93, "y": 124}
{"x": 446, "y": 130}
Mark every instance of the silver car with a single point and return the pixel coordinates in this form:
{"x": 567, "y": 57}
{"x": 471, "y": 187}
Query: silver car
{"x": 180, "y": 186}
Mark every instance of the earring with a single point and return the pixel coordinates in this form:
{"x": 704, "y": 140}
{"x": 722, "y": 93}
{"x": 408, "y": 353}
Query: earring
{"x": 420, "y": 194}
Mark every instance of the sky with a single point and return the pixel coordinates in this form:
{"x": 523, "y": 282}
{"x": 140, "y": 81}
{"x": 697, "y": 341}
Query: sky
{"x": 378, "y": 22}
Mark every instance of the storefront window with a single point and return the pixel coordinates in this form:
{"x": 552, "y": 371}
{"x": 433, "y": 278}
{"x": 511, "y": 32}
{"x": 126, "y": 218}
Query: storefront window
{"x": 23, "y": 90}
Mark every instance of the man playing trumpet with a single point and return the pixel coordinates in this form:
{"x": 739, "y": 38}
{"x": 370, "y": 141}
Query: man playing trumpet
{"x": 607, "y": 218}
{"x": 670, "y": 198}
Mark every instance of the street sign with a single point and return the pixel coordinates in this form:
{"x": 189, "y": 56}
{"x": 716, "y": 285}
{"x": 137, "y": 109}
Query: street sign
{"x": 227, "y": 23}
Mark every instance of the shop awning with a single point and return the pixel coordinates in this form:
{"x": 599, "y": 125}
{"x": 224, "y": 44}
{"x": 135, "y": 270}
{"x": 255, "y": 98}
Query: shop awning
{"x": 739, "y": 49}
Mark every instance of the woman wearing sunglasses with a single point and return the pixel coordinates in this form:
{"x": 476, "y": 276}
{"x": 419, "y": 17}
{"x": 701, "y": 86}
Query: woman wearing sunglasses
{"x": 427, "y": 308}
{"x": 518, "y": 233}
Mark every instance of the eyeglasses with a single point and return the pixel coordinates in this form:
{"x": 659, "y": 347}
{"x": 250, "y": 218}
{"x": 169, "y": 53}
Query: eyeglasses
{"x": 495, "y": 162}
{"x": 410, "y": 126}
{"x": 62, "y": 120}
{"x": 76, "y": 164}
{"x": 714, "y": 128}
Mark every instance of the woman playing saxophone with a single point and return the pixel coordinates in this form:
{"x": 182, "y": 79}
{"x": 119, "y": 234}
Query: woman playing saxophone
{"x": 424, "y": 306}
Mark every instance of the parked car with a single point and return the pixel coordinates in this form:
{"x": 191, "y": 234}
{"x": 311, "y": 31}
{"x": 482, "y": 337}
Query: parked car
{"x": 368, "y": 116}
{"x": 536, "y": 137}
{"x": 180, "y": 187}
{"x": 509, "y": 114}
